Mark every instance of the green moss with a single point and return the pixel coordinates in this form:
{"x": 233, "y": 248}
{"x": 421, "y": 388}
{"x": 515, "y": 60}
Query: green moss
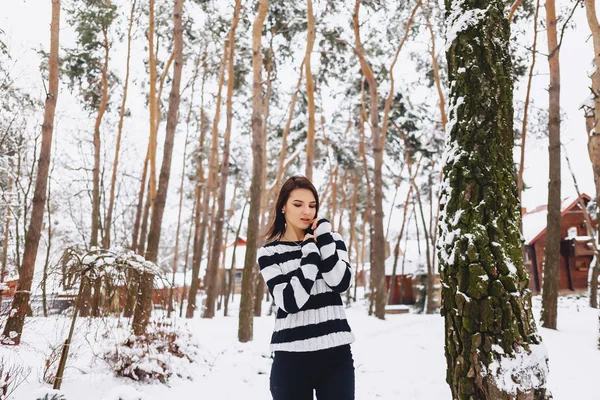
{"x": 509, "y": 283}
{"x": 497, "y": 288}
{"x": 477, "y": 286}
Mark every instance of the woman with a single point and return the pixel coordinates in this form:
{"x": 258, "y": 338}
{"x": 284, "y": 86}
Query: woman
{"x": 305, "y": 267}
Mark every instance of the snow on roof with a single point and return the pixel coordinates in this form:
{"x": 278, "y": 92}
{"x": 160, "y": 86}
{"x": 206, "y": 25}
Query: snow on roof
{"x": 534, "y": 221}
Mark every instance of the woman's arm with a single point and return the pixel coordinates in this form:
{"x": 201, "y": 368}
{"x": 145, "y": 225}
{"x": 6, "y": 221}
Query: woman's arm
{"x": 290, "y": 291}
{"x": 334, "y": 266}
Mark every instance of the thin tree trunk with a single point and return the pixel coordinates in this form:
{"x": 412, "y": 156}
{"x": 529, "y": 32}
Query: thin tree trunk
{"x": 429, "y": 289}
{"x": 113, "y": 182}
{"x": 48, "y": 248}
{"x": 246, "y": 319}
{"x": 14, "y": 324}
{"x": 390, "y": 292}
{"x": 378, "y": 238}
{"x": 7, "y": 226}
{"x": 140, "y": 205}
{"x": 310, "y": 91}
{"x": 201, "y": 234}
{"x": 187, "y": 255}
{"x": 232, "y": 270}
{"x": 436, "y": 69}
{"x": 527, "y": 96}
{"x": 594, "y": 133}
{"x": 144, "y": 301}
{"x": 552, "y": 249}
{"x": 97, "y": 150}
{"x": 213, "y": 268}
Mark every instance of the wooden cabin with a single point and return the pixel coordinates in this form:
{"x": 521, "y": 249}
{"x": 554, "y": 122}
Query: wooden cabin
{"x": 411, "y": 274}
{"x": 576, "y": 251}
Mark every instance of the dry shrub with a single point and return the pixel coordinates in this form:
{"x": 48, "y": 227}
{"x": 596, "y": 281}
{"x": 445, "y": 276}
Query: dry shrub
{"x": 154, "y": 357}
{"x": 12, "y": 375}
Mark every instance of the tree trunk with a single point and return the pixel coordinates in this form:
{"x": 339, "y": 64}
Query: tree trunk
{"x": 6, "y": 227}
{"x": 14, "y": 324}
{"x": 96, "y": 171}
{"x": 217, "y": 231}
{"x": 48, "y": 248}
{"x": 594, "y": 134}
{"x": 378, "y": 238}
{"x": 187, "y": 256}
{"x": 552, "y": 249}
{"x": 140, "y": 204}
{"x": 245, "y": 328}
{"x": 144, "y": 301}
{"x": 310, "y": 91}
{"x": 113, "y": 181}
{"x": 486, "y": 304}
{"x": 232, "y": 271}
{"x": 200, "y": 233}
{"x": 390, "y": 293}
{"x": 526, "y": 106}
{"x": 436, "y": 69}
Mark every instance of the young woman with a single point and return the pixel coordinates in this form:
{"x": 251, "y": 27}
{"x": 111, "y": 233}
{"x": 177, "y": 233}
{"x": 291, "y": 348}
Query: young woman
{"x": 305, "y": 266}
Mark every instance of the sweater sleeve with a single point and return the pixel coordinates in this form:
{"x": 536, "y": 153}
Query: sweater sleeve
{"x": 334, "y": 266}
{"x": 290, "y": 291}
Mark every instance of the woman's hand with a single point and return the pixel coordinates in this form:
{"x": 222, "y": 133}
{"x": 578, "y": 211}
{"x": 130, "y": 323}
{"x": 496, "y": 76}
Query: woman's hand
{"x": 310, "y": 236}
{"x": 314, "y": 224}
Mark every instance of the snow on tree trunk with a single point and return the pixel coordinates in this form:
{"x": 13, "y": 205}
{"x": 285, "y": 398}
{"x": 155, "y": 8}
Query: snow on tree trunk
{"x": 492, "y": 347}
{"x": 20, "y": 305}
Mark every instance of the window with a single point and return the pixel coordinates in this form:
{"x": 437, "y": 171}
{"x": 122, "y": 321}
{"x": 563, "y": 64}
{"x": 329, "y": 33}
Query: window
{"x": 572, "y": 232}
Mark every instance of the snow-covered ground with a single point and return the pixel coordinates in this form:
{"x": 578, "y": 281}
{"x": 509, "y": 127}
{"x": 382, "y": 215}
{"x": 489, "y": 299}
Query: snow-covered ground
{"x": 400, "y": 358}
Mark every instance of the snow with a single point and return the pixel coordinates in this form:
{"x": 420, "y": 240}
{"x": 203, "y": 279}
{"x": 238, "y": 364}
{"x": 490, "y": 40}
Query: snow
{"x": 390, "y": 356}
{"x": 460, "y": 20}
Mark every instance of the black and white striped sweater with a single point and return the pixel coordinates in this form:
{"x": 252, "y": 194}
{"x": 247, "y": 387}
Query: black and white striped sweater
{"x": 306, "y": 280}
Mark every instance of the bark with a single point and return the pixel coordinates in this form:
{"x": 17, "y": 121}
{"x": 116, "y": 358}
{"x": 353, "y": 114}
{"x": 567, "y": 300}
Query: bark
{"x": 200, "y": 233}
{"x": 352, "y": 248}
{"x": 378, "y": 238}
{"x": 144, "y": 301}
{"x": 486, "y": 303}
{"x": 153, "y": 106}
{"x": 552, "y": 249}
{"x": 48, "y": 248}
{"x": 217, "y": 231}
{"x": 430, "y": 305}
{"x": 97, "y": 145}
{"x": 594, "y": 133}
{"x": 310, "y": 91}
{"x": 20, "y": 305}
{"x": 527, "y": 96}
{"x": 113, "y": 180}
{"x": 245, "y": 327}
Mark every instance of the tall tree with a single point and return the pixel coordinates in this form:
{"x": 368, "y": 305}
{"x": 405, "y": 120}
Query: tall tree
{"x": 377, "y": 237}
{"x": 492, "y": 347}
{"x": 113, "y": 181}
{"x": 144, "y": 302}
{"x": 552, "y": 249}
{"x": 594, "y": 134}
{"x": 310, "y": 91}
{"x": 14, "y": 324}
{"x": 217, "y": 231}
{"x": 246, "y": 316}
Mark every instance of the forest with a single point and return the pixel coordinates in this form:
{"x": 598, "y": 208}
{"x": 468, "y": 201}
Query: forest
{"x": 144, "y": 145}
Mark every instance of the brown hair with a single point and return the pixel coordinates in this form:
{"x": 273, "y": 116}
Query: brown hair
{"x": 277, "y": 228}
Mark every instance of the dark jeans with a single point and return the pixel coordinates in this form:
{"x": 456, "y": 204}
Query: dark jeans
{"x": 330, "y": 372}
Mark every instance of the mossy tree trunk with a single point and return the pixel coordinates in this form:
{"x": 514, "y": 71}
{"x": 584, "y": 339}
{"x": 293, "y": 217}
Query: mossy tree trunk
{"x": 490, "y": 332}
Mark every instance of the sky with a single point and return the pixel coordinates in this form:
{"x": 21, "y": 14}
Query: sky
{"x": 25, "y": 38}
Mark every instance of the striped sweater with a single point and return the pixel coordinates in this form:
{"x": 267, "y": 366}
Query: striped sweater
{"x": 306, "y": 280}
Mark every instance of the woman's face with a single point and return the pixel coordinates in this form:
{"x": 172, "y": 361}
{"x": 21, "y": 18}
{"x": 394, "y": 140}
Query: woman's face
{"x": 300, "y": 208}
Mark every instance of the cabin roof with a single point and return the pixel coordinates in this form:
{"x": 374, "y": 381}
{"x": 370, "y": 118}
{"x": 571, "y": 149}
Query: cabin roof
{"x": 534, "y": 221}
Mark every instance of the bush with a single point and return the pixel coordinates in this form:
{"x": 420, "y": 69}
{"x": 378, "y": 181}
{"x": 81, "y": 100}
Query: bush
{"x": 49, "y": 394}
{"x": 163, "y": 352}
{"x": 12, "y": 375}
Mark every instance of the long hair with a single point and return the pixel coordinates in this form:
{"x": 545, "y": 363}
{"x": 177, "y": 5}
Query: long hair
{"x": 277, "y": 228}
